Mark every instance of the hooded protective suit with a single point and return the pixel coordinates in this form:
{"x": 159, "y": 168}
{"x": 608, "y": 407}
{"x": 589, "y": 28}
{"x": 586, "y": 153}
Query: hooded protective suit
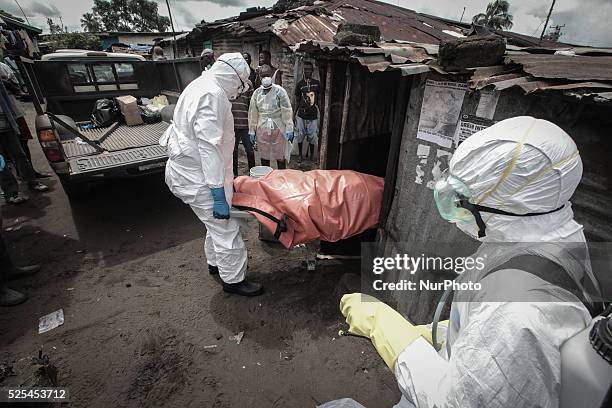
{"x": 501, "y": 352}
{"x": 506, "y": 353}
{"x": 270, "y": 118}
{"x": 200, "y": 152}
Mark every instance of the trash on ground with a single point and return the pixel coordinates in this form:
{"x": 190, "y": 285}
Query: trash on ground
{"x": 17, "y": 228}
{"x": 51, "y": 321}
{"x": 237, "y": 338}
{"x": 211, "y": 346}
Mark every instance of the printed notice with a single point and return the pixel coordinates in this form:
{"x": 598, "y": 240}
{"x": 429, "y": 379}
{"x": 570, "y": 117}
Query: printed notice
{"x": 487, "y": 103}
{"x": 468, "y": 125}
{"x": 442, "y": 102}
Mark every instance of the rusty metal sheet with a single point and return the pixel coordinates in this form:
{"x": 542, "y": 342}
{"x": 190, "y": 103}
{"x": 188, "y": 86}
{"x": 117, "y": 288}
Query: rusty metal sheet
{"x": 310, "y": 27}
{"x": 481, "y": 83}
{"x": 578, "y": 68}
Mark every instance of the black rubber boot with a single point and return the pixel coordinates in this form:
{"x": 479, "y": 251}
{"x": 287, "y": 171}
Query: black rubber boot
{"x": 244, "y": 288}
{"x": 10, "y": 297}
{"x": 213, "y": 270}
{"x": 22, "y": 272}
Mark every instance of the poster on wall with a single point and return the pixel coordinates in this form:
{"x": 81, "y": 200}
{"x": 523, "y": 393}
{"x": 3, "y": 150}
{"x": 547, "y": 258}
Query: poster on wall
{"x": 487, "y": 103}
{"x": 468, "y": 125}
{"x": 442, "y": 102}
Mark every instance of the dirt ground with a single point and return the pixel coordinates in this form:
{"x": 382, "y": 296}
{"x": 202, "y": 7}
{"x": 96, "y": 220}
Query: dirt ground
{"x": 147, "y": 326}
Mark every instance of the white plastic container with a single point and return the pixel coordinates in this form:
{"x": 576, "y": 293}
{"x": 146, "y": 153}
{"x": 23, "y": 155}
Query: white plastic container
{"x": 585, "y": 375}
{"x": 260, "y": 171}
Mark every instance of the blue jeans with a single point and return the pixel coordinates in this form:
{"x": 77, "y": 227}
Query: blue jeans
{"x": 306, "y": 129}
{"x": 242, "y": 135}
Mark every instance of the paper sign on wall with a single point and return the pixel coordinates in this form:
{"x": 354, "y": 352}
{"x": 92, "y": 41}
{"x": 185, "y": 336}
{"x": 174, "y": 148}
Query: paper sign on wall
{"x": 487, "y": 103}
{"x": 442, "y": 102}
{"x": 468, "y": 125}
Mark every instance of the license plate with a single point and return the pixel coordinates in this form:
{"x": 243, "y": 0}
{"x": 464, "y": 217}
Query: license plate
{"x": 151, "y": 166}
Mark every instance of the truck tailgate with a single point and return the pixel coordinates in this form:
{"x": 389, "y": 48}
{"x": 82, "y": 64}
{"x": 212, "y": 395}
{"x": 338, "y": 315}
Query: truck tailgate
{"x": 127, "y": 146}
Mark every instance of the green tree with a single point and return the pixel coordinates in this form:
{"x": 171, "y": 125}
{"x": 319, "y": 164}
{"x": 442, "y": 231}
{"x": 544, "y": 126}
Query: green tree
{"x": 497, "y": 16}
{"x": 53, "y": 28}
{"x": 125, "y": 15}
{"x": 81, "y": 41}
{"x": 91, "y": 23}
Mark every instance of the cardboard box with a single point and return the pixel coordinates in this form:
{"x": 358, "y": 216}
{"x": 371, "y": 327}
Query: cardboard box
{"x": 129, "y": 109}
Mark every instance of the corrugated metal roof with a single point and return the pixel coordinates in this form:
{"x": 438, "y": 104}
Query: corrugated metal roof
{"x": 577, "y": 68}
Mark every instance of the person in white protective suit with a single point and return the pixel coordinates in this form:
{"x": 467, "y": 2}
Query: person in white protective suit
{"x": 511, "y": 184}
{"x": 271, "y": 120}
{"x": 199, "y": 170}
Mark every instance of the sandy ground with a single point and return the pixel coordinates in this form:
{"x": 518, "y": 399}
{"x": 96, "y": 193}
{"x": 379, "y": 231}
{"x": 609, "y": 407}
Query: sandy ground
{"x": 147, "y": 326}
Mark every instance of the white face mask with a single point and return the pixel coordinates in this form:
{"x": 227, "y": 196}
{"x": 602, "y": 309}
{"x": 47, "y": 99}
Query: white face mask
{"x": 266, "y": 82}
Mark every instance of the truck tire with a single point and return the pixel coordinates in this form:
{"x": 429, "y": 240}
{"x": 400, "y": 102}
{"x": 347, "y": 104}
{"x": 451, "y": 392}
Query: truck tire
{"x": 74, "y": 190}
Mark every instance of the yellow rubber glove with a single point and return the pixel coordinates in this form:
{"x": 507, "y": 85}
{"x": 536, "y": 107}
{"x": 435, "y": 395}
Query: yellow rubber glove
{"x": 389, "y": 331}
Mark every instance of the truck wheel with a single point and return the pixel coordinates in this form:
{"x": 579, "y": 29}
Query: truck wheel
{"x": 74, "y": 190}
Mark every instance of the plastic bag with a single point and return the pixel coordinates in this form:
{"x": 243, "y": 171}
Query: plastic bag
{"x": 149, "y": 115}
{"x": 105, "y": 113}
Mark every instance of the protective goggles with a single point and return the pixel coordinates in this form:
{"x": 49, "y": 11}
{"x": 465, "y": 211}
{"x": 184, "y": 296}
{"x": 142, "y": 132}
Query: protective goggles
{"x": 244, "y": 87}
{"x": 455, "y": 203}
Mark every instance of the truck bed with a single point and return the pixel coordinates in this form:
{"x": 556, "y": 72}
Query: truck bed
{"x": 124, "y": 137}
{"x": 127, "y": 145}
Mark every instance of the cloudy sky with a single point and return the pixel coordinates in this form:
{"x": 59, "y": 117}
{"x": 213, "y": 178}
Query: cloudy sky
{"x": 586, "y": 21}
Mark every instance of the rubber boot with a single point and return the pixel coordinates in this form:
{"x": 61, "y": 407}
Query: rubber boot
{"x": 10, "y": 297}
{"x": 213, "y": 270}
{"x": 22, "y": 272}
{"x": 244, "y": 288}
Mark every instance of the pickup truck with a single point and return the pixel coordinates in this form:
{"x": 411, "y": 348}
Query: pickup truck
{"x": 64, "y": 87}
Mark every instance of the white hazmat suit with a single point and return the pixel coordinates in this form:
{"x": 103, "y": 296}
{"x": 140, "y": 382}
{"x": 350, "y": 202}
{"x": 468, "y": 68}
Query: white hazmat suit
{"x": 506, "y": 353}
{"x": 200, "y": 152}
{"x": 270, "y": 118}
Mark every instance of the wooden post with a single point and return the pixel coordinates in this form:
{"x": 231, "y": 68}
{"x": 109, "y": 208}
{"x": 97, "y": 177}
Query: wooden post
{"x": 325, "y": 128}
{"x": 345, "y": 108}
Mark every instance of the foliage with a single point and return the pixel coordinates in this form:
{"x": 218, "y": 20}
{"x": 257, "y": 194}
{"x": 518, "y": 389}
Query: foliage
{"x": 497, "y": 16}
{"x": 53, "y": 28}
{"x": 553, "y": 34}
{"x": 91, "y": 23}
{"x": 81, "y": 41}
{"x": 124, "y": 15}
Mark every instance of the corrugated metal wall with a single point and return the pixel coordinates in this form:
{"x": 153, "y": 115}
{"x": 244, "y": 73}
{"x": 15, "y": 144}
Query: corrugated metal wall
{"x": 413, "y": 218}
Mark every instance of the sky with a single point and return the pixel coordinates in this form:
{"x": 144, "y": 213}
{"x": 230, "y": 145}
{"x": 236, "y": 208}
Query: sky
{"x": 586, "y": 21}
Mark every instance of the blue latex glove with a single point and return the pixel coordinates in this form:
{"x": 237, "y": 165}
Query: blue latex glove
{"x": 221, "y": 209}
{"x": 290, "y": 136}
{"x": 252, "y": 138}
{"x": 2, "y": 163}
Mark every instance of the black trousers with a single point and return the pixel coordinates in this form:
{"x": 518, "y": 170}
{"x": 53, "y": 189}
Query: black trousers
{"x": 12, "y": 147}
{"x": 242, "y": 135}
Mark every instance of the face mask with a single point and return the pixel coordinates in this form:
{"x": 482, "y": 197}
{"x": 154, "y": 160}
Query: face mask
{"x": 266, "y": 82}
{"x": 454, "y": 201}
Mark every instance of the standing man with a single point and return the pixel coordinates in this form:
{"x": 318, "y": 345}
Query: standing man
{"x": 271, "y": 120}
{"x": 240, "y": 110}
{"x": 9, "y": 141}
{"x": 307, "y": 93}
{"x": 13, "y": 89}
{"x": 199, "y": 169}
{"x": 207, "y": 59}
{"x": 265, "y": 58}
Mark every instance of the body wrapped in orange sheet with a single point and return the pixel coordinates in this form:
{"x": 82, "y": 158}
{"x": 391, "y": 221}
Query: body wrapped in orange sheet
{"x": 329, "y": 205}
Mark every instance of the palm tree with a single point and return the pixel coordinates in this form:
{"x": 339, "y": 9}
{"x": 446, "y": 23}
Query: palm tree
{"x": 91, "y": 23}
{"x": 496, "y": 17}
